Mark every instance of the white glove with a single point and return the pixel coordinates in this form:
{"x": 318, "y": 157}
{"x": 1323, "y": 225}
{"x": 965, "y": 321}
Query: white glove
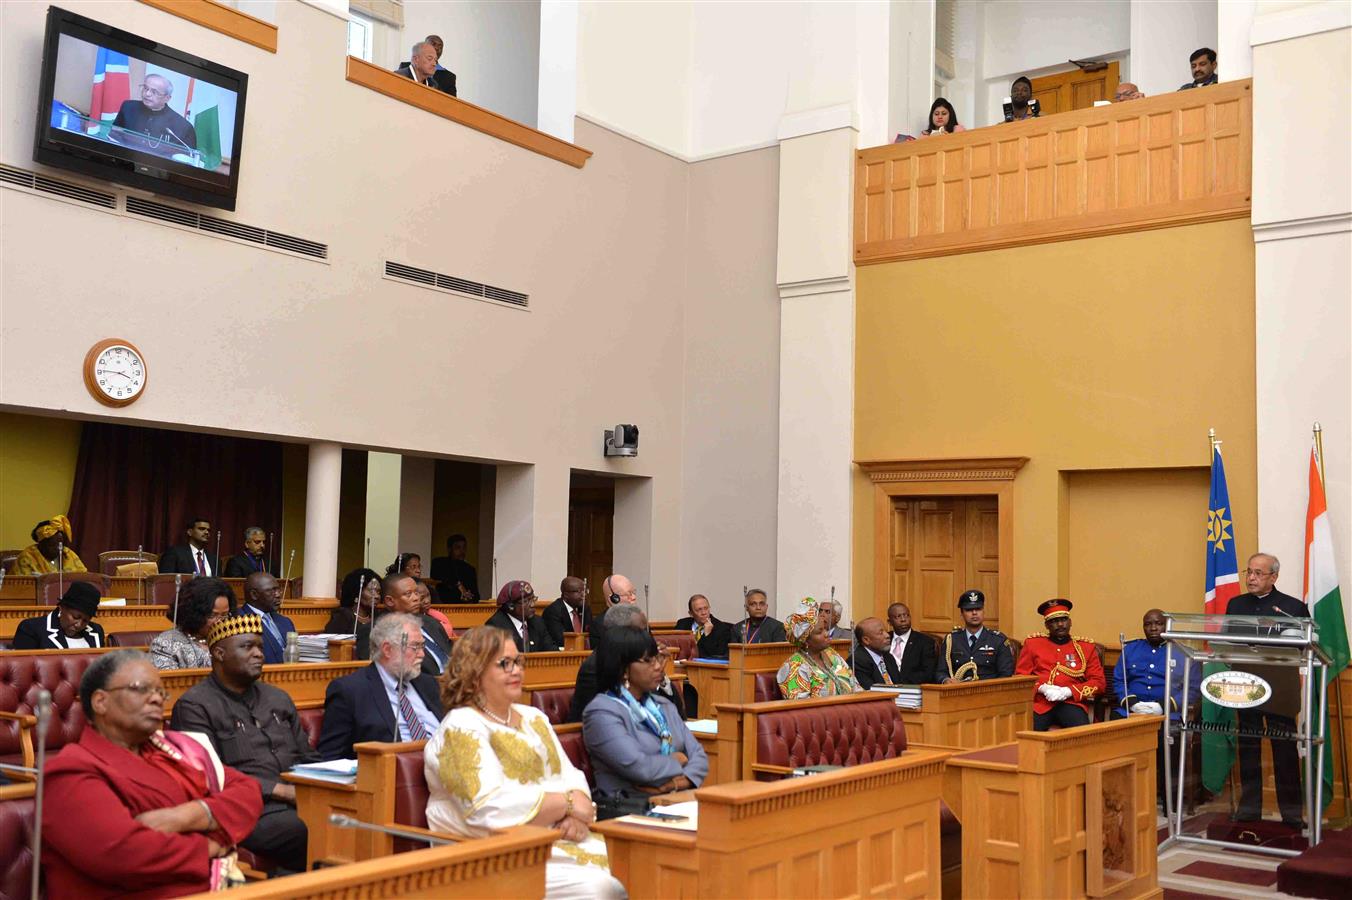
{"x": 1062, "y": 693}
{"x": 1147, "y": 708}
{"x": 1047, "y": 691}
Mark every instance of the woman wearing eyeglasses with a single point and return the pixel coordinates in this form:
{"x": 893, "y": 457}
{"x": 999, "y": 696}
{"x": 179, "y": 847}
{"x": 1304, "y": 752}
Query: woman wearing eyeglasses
{"x": 131, "y": 806}
{"x": 495, "y": 763}
{"x": 201, "y": 603}
{"x": 635, "y": 737}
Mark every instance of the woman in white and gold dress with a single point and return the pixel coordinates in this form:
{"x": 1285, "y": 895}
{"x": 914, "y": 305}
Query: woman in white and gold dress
{"x": 494, "y": 763}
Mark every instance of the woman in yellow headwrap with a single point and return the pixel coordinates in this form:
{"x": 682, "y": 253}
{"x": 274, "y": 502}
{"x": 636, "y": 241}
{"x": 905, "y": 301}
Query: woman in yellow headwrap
{"x": 815, "y": 670}
{"x": 52, "y": 536}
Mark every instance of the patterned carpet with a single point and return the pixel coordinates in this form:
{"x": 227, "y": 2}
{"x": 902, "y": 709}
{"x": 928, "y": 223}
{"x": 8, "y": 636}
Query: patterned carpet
{"x": 1192, "y": 872}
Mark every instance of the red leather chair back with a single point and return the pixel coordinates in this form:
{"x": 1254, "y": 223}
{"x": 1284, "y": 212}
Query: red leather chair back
{"x": 22, "y": 676}
{"x": 52, "y": 585}
{"x": 16, "y": 841}
{"x": 410, "y": 797}
{"x": 162, "y": 590}
{"x": 132, "y": 638}
{"x": 570, "y": 738}
{"x": 554, "y": 703}
{"x": 312, "y": 721}
{"x": 767, "y": 687}
{"x": 684, "y": 642}
{"x": 109, "y": 560}
{"x": 833, "y": 735}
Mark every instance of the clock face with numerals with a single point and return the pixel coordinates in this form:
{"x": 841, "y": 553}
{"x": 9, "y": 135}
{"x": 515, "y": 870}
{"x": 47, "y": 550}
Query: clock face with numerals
{"x": 115, "y": 372}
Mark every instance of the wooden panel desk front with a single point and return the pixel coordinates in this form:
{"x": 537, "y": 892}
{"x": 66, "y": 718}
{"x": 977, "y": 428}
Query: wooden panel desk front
{"x": 771, "y": 839}
{"x": 510, "y": 864}
{"x": 972, "y": 714}
{"x": 309, "y": 616}
{"x": 1048, "y": 815}
{"x": 305, "y": 683}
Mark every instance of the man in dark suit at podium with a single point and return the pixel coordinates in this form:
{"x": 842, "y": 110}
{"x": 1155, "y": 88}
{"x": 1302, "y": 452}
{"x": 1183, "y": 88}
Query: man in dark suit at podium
{"x": 914, "y": 652}
{"x": 1263, "y": 599}
{"x": 190, "y": 558}
{"x": 873, "y": 664}
{"x": 569, "y": 612}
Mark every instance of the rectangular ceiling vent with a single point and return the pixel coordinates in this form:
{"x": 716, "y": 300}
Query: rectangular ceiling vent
{"x": 186, "y": 218}
{"x": 65, "y": 189}
{"x": 455, "y": 285}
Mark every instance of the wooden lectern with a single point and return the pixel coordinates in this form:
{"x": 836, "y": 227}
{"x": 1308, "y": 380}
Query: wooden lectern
{"x": 1067, "y": 813}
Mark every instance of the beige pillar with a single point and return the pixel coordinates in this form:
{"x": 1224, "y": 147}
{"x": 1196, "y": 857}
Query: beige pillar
{"x": 322, "y": 494}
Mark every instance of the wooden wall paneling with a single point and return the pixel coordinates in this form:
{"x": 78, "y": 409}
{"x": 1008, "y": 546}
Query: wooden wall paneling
{"x": 224, "y": 19}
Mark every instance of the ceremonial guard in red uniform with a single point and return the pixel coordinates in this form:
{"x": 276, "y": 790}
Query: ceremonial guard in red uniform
{"x": 1070, "y": 675}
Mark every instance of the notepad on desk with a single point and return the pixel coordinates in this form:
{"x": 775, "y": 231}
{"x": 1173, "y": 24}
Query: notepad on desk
{"x": 339, "y": 771}
{"x": 677, "y": 816}
{"x": 702, "y": 726}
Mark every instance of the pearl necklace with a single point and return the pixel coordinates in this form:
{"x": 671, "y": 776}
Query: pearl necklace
{"x": 505, "y": 723}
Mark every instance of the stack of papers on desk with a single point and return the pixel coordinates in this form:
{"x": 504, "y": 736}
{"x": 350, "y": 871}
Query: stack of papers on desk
{"x": 339, "y": 771}
{"x": 908, "y": 695}
{"x": 702, "y": 726}
{"x": 314, "y": 648}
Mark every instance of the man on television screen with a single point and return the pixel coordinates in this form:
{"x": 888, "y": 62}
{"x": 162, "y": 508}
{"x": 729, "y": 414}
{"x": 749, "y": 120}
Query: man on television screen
{"x": 152, "y": 116}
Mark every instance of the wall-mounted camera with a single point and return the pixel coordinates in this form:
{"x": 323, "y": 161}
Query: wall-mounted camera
{"x": 623, "y": 441}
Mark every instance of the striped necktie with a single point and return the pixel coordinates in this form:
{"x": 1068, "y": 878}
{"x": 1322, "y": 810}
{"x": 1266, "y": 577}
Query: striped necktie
{"x": 416, "y": 731}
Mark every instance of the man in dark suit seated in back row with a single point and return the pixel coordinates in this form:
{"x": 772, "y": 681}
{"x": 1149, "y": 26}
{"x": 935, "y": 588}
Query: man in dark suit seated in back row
{"x": 190, "y": 558}
{"x": 390, "y": 700}
{"x": 915, "y": 653}
{"x": 873, "y": 664}
{"x": 711, "y": 635}
{"x": 569, "y": 613}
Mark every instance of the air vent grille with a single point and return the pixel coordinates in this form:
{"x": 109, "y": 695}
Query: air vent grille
{"x": 456, "y": 284}
{"x": 69, "y": 190}
{"x": 226, "y": 227}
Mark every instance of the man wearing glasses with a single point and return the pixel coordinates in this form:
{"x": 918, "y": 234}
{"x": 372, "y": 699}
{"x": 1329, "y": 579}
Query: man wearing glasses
{"x": 152, "y": 117}
{"x": 390, "y": 700}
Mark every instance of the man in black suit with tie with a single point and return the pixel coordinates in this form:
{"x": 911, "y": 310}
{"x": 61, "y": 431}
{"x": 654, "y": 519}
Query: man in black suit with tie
{"x": 1279, "y": 713}
{"x": 390, "y": 700}
{"x": 569, "y": 612}
{"x": 262, "y": 596}
{"x": 914, "y": 652}
{"x": 399, "y": 594}
{"x": 873, "y": 664}
{"x": 190, "y": 558}
{"x": 516, "y": 616}
{"x": 712, "y": 636}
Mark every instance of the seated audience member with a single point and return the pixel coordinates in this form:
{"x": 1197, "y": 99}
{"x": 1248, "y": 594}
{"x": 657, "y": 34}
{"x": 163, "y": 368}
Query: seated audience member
{"x": 262, "y": 595}
{"x": 422, "y": 67}
{"x": 712, "y": 636}
{"x": 252, "y": 558}
{"x": 50, "y": 548}
{"x": 943, "y": 119}
{"x": 132, "y": 807}
{"x": 569, "y": 612}
{"x": 758, "y": 627}
{"x": 635, "y": 737}
{"x": 190, "y": 558}
{"x": 68, "y": 627}
{"x": 625, "y": 615}
{"x": 426, "y": 611}
{"x": 1068, "y": 670}
{"x": 409, "y": 564}
{"x": 1127, "y": 91}
{"x": 832, "y": 611}
{"x": 617, "y": 590}
{"x": 1020, "y": 97}
{"x": 516, "y": 616}
{"x": 457, "y": 581}
{"x": 815, "y": 670}
{"x": 495, "y": 763}
{"x": 200, "y": 604}
{"x": 1203, "y": 63}
{"x": 255, "y": 728}
{"x": 443, "y": 76}
{"x": 973, "y": 651}
{"x": 359, "y": 594}
{"x": 399, "y": 593}
{"x": 914, "y": 652}
{"x": 392, "y": 699}
{"x": 1138, "y": 679}
{"x": 873, "y": 664}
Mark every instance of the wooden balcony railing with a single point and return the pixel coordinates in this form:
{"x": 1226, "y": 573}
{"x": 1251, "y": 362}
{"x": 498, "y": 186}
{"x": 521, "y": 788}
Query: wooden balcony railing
{"x": 1168, "y": 160}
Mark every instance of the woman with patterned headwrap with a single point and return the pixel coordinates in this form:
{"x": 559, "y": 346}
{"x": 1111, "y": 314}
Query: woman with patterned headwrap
{"x": 815, "y": 670}
{"x": 495, "y": 763}
{"x": 52, "y": 537}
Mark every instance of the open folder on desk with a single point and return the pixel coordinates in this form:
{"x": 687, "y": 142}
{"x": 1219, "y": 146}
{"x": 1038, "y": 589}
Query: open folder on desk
{"x": 339, "y": 771}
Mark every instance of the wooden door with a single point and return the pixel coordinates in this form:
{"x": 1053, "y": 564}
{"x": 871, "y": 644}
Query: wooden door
{"x": 940, "y": 547}
{"x": 1065, "y": 91}
{"x": 591, "y": 522}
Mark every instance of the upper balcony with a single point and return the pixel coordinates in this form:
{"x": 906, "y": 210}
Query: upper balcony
{"x": 1167, "y": 160}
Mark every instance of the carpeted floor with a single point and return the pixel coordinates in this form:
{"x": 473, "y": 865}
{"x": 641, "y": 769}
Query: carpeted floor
{"x": 1191, "y": 872}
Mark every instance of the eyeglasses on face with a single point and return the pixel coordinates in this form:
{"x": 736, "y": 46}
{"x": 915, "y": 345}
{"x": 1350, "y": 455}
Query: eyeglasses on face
{"x": 1258, "y": 572}
{"x": 508, "y": 663}
{"x": 154, "y": 92}
{"x": 142, "y": 690}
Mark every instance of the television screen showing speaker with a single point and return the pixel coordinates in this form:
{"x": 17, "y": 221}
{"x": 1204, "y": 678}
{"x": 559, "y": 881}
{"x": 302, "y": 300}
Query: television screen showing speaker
{"x": 122, "y": 107}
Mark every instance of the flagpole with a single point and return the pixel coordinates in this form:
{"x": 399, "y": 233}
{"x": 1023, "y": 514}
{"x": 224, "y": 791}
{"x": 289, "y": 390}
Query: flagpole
{"x": 1340, "y": 718}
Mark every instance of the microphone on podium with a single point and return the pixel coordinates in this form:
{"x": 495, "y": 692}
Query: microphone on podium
{"x": 341, "y": 821}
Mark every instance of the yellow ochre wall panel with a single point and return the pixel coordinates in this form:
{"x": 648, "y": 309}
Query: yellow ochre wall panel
{"x": 1104, "y": 353}
{"x": 37, "y": 472}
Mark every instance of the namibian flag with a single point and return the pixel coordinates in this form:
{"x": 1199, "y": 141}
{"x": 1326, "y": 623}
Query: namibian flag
{"x": 1222, "y": 585}
{"x": 112, "y": 87}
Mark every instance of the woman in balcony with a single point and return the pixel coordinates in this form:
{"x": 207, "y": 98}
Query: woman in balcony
{"x": 815, "y": 670}
{"x": 943, "y": 119}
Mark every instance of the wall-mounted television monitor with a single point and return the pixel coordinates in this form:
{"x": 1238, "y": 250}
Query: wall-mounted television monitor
{"x": 128, "y": 109}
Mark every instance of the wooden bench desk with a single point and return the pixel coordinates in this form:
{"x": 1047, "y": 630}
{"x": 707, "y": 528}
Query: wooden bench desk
{"x": 309, "y": 616}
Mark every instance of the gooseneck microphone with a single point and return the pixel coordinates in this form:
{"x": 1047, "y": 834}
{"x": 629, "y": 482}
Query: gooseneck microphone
{"x": 342, "y": 821}
{"x": 44, "y": 715}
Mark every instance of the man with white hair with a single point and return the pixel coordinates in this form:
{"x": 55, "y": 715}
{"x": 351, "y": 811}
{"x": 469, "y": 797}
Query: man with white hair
{"x": 832, "y": 610}
{"x": 151, "y": 116}
{"x": 422, "y": 66}
{"x": 392, "y": 699}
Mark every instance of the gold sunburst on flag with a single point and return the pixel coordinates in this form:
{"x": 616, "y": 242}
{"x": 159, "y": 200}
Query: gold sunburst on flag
{"x": 1218, "y": 529}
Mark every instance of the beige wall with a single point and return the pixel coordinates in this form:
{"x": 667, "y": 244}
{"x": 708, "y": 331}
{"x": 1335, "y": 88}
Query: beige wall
{"x": 247, "y": 341}
{"x": 1086, "y": 356}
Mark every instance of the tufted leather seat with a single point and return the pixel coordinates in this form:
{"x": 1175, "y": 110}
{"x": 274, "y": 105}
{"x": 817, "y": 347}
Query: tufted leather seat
{"x": 684, "y": 642}
{"x": 410, "y": 796}
{"x": 22, "y": 676}
{"x": 16, "y": 841}
{"x": 570, "y": 739}
{"x": 312, "y": 722}
{"x": 50, "y": 587}
{"x": 554, "y": 703}
{"x": 132, "y": 638}
{"x": 845, "y": 735}
{"x": 767, "y": 687}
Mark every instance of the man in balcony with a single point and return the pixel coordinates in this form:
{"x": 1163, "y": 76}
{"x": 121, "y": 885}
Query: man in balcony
{"x": 1203, "y": 64}
{"x": 1127, "y": 91}
{"x": 422, "y": 66}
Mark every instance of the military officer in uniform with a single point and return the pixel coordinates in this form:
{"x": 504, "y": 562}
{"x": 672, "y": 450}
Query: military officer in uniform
{"x": 973, "y": 651}
{"x": 1068, "y": 670}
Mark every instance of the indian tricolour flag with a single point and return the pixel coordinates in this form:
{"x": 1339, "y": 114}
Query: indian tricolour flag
{"x": 1321, "y": 594}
